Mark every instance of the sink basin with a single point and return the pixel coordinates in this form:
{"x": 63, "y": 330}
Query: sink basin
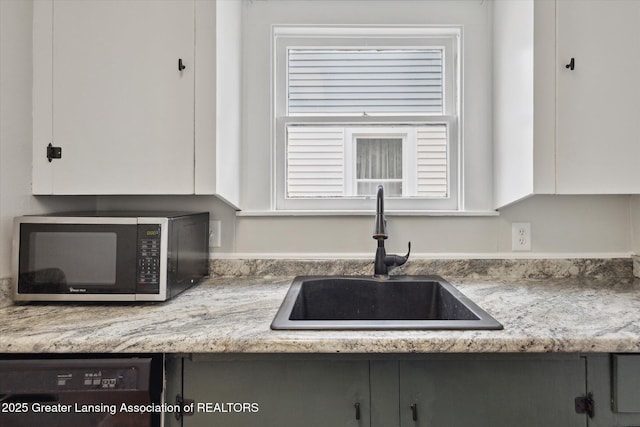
{"x": 397, "y": 302}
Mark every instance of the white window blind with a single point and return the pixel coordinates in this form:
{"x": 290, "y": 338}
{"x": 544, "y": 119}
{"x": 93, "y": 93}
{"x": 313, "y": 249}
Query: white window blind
{"x": 365, "y": 82}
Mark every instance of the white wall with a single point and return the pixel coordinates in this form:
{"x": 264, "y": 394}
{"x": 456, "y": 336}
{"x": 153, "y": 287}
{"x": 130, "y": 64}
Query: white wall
{"x": 15, "y": 128}
{"x": 571, "y": 224}
{"x": 590, "y": 226}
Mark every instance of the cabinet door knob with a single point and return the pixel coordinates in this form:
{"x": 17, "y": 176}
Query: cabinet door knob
{"x": 414, "y": 412}
{"x": 571, "y": 65}
{"x": 181, "y": 66}
{"x": 357, "y": 405}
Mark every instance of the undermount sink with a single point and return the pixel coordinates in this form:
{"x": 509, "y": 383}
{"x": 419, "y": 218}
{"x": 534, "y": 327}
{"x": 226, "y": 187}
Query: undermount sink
{"x": 394, "y": 302}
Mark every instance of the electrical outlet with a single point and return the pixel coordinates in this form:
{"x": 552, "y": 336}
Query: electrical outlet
{"x": 521, "y": 236}
{"x": 214, "y": 233}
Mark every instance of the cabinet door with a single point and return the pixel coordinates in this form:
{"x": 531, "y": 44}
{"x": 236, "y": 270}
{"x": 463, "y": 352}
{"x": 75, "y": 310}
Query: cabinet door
{"x": 121, "y": 109}
{"x": 492, "y": 391}
{"x": 614, "y": 381}
{"x": 277, "y": 393}
{"x": 598, "y": 125}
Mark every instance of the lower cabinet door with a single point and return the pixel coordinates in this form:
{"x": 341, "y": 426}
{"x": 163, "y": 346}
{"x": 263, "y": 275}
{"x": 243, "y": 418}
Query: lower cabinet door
{"x": 614, "y": 381}
{"x": 277, "y": 393}
{"x": 492, "y": 391}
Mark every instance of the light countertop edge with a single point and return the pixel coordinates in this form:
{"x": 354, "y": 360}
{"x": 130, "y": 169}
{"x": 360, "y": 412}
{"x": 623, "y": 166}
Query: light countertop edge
{"x": 233, "y": 315}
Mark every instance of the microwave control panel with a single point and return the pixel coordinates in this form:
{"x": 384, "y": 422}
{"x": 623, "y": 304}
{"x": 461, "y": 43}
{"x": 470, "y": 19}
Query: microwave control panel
{"x": 148, "y": 266}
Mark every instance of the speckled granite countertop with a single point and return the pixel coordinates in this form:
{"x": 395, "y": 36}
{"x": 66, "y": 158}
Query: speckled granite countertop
{"x": 233, "y": 315}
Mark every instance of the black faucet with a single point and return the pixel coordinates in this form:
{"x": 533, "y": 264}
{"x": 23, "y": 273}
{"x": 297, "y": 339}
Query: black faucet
{"x": 384, "y": 261}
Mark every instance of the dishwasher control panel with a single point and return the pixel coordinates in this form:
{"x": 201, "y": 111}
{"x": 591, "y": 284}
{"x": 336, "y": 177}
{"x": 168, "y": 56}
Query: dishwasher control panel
{"x": 39, "y": 376}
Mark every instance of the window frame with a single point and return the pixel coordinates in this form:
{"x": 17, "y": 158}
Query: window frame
{"x": 448, "y": 38}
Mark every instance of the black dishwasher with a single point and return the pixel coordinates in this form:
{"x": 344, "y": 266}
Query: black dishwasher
{"x": 80, "y": 392}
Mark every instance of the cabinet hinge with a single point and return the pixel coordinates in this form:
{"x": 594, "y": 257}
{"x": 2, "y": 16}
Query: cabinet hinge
{"x": 53, "y": 152}
{"x": 187, "y": 407}
{"x": 585, "y": 405}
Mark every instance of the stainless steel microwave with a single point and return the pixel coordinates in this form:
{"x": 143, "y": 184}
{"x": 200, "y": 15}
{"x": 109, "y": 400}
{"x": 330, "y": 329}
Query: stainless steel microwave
{"x": 109, "y": 256}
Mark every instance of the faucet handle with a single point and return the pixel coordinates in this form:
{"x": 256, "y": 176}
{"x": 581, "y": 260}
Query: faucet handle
{"x": 397, "y": 260}
{"x": 406, "y": 257}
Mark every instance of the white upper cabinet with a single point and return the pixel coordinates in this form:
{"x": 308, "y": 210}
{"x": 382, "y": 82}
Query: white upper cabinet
{"x": 559, "y": 130}
{"x": 116, "y": 88}
{"x": 598, "y": 102}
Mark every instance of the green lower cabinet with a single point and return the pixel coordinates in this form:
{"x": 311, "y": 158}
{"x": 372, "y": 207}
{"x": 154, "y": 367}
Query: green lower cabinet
{"x": 270, "y": 392}
{"x": 614, "y": 381}
{"x": 523, "y": 391}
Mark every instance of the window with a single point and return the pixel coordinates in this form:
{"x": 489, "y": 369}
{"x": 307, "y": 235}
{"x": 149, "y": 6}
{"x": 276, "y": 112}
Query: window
{"x": 358, "y": 107}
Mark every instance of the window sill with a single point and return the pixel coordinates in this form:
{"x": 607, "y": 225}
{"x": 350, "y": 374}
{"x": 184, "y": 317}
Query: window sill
{"x": 412, "y": 213}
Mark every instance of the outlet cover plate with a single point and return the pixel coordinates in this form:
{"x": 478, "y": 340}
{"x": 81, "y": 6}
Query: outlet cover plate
{"x": 521, "y": 236}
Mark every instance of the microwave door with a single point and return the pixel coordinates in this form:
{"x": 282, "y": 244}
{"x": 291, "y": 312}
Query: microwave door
{"x": 77, "y": 259}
